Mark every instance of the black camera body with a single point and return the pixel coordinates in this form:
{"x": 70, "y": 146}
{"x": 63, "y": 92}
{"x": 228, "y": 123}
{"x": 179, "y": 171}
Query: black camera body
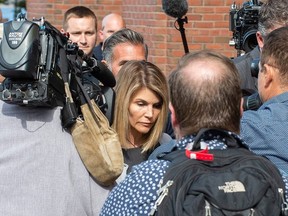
{"x": 28, "y": 61}
{"x": 36, "y": 59}
{"x": 252, "y": 100}
{"x": 244, "y": 25}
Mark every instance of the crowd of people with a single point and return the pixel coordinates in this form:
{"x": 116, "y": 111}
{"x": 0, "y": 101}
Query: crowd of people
{"x": 201, "y": 72}
{"x": 41, "y": 170}
{"x": 271, "y": 16}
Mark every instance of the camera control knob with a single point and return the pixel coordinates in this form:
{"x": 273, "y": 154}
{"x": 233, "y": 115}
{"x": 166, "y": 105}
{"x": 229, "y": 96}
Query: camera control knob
{"x": 6, "y": 94}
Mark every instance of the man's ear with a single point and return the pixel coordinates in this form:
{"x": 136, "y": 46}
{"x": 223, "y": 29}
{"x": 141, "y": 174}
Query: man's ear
{"x": 268, "y": 75}
{"x": 241, "y": 107}
{"x": 173, "y": 116}
{"x": 260, "y": 39}
{"x": 101, "y": 35}
{"x": 63, "y": 32}
{"x": 174, "y": 122}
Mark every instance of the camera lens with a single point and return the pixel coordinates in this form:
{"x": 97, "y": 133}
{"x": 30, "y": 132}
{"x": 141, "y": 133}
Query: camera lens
{"x": 252, "y": 102}
{"x": 249, "y": 40}
{"x": 255, "y": 67}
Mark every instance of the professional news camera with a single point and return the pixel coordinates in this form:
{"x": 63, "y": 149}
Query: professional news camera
{"x": 252, "y": 101}
{"x": 244, "y": 25}
{"x": 34, "y": 59}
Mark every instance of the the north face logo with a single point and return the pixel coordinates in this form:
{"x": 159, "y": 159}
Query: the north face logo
{"x": 232, "y": 187}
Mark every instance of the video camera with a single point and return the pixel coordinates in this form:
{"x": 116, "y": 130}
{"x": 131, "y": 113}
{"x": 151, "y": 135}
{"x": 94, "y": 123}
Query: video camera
{"x": 34, "y": 59}
{"x": 244, "y": 25}
{"x": 252, "y": 101}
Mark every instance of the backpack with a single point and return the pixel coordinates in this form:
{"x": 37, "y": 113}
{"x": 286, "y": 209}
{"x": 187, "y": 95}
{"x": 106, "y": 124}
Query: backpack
{"x": 234, "y": 182}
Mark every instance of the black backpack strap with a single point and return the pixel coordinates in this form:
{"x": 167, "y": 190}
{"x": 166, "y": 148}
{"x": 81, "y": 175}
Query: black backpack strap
{"x": 176, "y": 156}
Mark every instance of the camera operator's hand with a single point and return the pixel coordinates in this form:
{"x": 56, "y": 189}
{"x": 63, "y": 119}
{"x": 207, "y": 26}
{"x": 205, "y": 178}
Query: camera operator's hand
{"x": 1, "y": 78}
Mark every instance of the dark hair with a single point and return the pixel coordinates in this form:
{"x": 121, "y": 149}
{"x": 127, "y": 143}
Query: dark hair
{"x": 275, "y": 53}
{"x": 210, "y": 99}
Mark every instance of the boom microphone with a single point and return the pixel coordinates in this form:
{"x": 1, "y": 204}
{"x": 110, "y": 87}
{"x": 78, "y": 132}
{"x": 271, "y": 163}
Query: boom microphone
{"x": 101, "y": 72}
{"x": 175, "y": 8}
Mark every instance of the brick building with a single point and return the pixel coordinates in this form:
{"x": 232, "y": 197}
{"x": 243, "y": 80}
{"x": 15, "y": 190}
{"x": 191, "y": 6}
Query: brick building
{"x": 207, "y": 27}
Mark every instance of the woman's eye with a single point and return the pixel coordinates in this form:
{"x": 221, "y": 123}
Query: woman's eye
{"x": 140, "y": 104}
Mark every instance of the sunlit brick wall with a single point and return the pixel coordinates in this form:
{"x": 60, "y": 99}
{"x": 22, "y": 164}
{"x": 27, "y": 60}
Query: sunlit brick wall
{"x": 207, "y": 27}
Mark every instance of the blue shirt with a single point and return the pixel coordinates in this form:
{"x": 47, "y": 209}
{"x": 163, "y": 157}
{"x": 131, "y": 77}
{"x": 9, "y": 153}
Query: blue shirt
{"x": 137, "y": 194}
{"x": 266, "y": 132}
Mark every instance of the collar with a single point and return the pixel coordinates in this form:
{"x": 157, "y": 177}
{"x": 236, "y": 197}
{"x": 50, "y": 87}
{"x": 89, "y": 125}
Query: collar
{"x": 211, "y": 140}
{"x": 281, "y": 98}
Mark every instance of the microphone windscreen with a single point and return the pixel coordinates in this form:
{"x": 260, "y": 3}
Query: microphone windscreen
{"x": 175, "y": 8}
{"x": 103, "y": 74}
{"x": 99, "y": 70}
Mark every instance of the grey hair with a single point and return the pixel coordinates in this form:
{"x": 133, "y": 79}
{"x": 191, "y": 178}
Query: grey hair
{"x": 124, "y": 35}
{"x": 272, "y": 14}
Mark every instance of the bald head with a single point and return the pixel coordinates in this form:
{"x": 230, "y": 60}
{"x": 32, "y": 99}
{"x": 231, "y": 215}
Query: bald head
{"x": 111, "y": 23}
{"x": 114, "y": 19}
{"x": 201, "y": 71}
{"x": 205, "y": 92}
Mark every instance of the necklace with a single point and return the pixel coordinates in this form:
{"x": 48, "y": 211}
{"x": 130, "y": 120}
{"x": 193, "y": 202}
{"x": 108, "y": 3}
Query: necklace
{"x": 135, "y": 146}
